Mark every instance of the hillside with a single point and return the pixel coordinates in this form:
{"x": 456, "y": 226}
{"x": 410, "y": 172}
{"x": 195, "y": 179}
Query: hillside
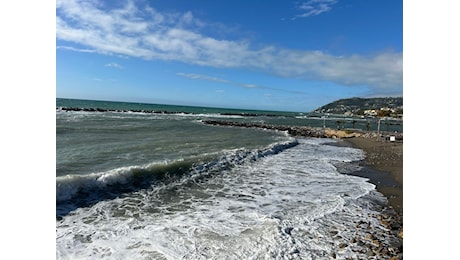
{"x": 387, "y": 106}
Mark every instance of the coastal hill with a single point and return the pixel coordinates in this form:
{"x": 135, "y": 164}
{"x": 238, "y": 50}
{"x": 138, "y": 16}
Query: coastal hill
{"x": 386, "y": 106}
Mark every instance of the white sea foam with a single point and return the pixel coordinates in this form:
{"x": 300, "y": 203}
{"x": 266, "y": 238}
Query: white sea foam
{"x": 293, "y": 204}
{"x": 67, "y": 186}
{"x": 215, "y": 115}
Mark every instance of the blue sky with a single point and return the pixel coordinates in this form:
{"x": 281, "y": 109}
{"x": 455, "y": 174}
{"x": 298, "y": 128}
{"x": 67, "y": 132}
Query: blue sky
{"x": 269, "y": 55}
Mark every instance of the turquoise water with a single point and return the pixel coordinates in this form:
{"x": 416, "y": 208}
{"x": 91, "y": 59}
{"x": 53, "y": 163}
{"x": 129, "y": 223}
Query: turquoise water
{"x": 145, "y": 185}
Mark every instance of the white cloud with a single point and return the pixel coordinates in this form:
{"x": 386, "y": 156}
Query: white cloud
{"x": 379, "y": 72}
{"x": 148, "y": 34}
{"x": 75, "y": 49}
{"x": 114, "y": 65}
{"x": 315, "y": 7}
{"x": 215, "y": 79}
{"x": 202, "y": 77}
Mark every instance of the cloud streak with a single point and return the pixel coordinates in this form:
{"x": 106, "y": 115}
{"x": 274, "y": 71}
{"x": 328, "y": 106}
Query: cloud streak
{"x": 69, "y": 48}
{"x": 219, "y": 80}
{"x": 114, "y": 65}
{"x": 234, "y": 83}
{"x": 315, "y": 7}
{"x": 143, "y": 32}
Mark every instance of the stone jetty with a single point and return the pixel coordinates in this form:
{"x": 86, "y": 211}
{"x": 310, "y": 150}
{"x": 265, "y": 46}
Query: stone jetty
{"x": 78, "y": 109}
{"x": 292, "y": 130}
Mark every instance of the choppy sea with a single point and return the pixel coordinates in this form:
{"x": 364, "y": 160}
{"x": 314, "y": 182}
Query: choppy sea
{"x": 140, "y": 181}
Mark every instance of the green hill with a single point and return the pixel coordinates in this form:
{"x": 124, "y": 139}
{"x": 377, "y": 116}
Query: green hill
{"x": 387, "y": 106}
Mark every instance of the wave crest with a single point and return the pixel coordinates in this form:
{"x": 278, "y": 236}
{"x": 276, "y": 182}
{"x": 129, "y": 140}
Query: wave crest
{"x": 131, "y": 178}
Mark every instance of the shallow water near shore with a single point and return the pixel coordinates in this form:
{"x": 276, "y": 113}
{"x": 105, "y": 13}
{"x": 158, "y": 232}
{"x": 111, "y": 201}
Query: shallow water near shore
{"x": 166, "y": 186}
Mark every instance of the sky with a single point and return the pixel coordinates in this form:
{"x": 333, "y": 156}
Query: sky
{"x": 270, "y": 55}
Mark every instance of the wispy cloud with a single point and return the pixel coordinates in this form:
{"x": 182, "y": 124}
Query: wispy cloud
{"x": 215, "y": 79}
{"x": 314, "y": 7}
{"x": 202, "y": 77}
{"x": 103, "y": 79}
{"x": 114, "y": 65}
{"x": 233, "y": 83}
{"x": 146, "y": 33}
{"x": 69, "y": 48}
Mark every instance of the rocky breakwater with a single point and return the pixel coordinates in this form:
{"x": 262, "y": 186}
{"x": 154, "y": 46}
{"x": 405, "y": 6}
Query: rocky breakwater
{"x": 78, "y": 109}
{"x": 292, "y": 130}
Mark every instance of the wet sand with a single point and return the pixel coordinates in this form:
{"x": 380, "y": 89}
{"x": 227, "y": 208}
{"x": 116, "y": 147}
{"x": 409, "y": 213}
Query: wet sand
{"x": 385, "y": 160}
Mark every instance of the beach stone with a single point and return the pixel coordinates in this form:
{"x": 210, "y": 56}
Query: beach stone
{"x": 395, "y": 243}
{"x": 369, "y": 237}
{"x": 288, "y": 230}
{"x": 342, "y": 245}
{"x": 376, "y": 242}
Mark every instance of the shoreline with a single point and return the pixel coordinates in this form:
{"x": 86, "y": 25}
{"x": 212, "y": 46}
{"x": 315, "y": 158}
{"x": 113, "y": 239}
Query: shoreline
{"x": 384, "y": 160}
{"x": 383, "y": 164}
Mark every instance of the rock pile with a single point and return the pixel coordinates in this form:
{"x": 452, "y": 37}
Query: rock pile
{"x": 78, "y": 109}
{"x": 306, "y": 131}
{"x": 292, "y": 130}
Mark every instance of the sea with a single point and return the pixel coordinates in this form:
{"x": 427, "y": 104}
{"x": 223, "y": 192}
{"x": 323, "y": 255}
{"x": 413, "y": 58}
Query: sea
{"x": 146, "y": 181}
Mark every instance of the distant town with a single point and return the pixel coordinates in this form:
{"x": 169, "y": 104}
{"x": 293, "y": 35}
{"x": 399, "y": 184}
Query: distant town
{"x": 365, "y": 107}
